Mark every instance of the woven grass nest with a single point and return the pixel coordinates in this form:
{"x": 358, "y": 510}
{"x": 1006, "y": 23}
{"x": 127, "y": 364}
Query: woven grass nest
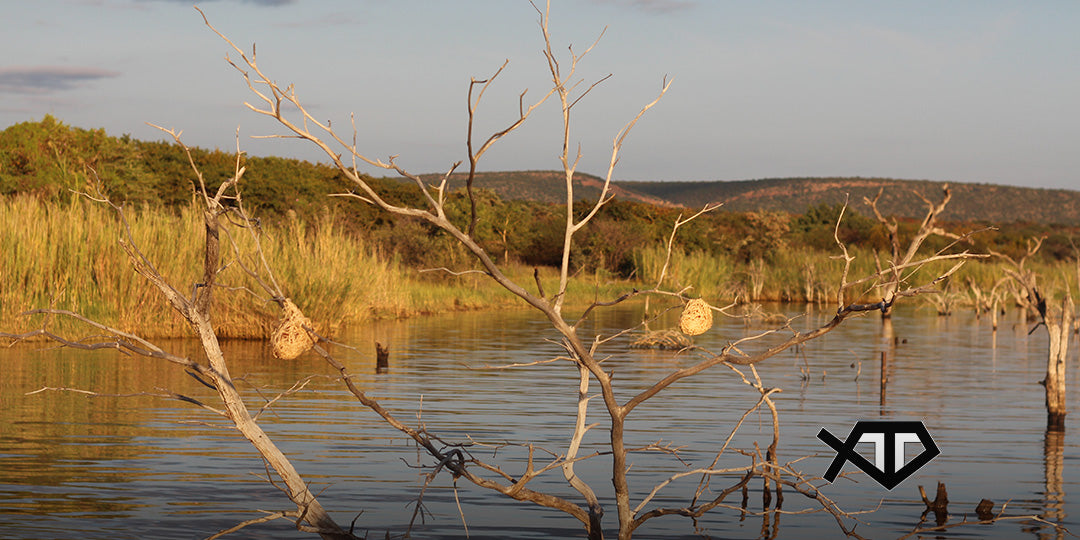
{"x": 290, "y": 339}
{"x": 696, "y": 317}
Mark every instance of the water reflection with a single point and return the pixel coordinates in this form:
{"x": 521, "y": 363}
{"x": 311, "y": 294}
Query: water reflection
{"x": 888, "y": 352}
{"x": 1054, "y": 490}
{"x": 139, "y": 467}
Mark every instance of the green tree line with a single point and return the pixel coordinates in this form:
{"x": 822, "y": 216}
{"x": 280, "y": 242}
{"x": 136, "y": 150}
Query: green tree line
{"x": 51, "y": 160}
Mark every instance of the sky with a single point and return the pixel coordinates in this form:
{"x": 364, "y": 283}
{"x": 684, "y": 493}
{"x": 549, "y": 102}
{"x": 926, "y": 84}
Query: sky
{"x": 962, "y": 91}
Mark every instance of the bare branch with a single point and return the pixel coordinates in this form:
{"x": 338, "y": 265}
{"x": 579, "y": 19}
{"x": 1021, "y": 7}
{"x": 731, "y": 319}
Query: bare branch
{"x": 452, "y": 272}
{"x": 474, "y": 157}
{"x": 169, "y": 395}
{"x": 270, "y": 516}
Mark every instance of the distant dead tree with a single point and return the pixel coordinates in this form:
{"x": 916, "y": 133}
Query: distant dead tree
{"x": 583, "y": 353}
{"x": 1057, "y": 317}
{"x": 1023, "y": 278}
{"x": 900, "y": 256}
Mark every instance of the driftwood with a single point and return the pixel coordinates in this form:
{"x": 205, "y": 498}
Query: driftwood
{"x": 663, "y": 340}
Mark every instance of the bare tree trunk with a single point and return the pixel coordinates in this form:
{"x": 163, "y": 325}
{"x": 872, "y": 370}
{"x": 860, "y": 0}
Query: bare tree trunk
{"x": 298, "y": 491}
{"x": 596, "y": 511}
{"x": 1059, "y": 326}
{"x": 197, "y": 312}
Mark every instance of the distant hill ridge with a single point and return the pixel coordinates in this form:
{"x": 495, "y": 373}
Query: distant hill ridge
{"x": 546, "y": 186}
{"x": 50, "y": 158}
{"x": 970, "y": 202}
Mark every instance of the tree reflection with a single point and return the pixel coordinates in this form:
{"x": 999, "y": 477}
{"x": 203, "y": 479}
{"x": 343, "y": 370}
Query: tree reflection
{"x": 888, "y": 352}
{"x": 1054, "y": 485}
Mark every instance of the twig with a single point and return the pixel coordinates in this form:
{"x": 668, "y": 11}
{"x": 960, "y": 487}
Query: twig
{"x": 169, "y": 395}
{"x": 270, "y": 516}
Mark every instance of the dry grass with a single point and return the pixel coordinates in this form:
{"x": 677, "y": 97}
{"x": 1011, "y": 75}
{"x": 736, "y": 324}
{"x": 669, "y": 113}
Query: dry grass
{"x": 66, "y": 255}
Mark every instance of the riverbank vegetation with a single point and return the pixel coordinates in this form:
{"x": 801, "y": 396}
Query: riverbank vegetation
{"x": 60, "y": 248}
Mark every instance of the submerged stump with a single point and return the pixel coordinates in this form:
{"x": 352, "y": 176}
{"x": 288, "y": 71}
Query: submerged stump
{"x": 382, "y": 358}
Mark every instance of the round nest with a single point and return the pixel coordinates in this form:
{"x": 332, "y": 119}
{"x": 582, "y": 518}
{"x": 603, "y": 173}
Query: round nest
{"x": 696, "y": 317}
{"x": 290, "y": 339}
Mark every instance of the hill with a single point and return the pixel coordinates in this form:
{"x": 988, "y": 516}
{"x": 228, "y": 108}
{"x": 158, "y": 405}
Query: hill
{"x": 970, "y": 202}
{"x": 49, "y": 158}
{"x": 547, "y": 186}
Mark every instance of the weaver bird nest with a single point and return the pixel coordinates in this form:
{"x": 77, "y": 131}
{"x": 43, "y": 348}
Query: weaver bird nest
{"x": 290, "y": 339}
{"x": 696, "y": 317}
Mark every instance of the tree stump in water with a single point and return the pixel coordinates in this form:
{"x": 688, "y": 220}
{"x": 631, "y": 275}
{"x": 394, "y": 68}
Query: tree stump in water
{"x": 1059, "y": 326}
{"x": 382, "y": 358}
{"x": 939, "y": 506}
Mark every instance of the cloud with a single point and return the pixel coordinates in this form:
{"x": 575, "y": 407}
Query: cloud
{"x": 652, "y": 6}
{"x": 48, "y": 79}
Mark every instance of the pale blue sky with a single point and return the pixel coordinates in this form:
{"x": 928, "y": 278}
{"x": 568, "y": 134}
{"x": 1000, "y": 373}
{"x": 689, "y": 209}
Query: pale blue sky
{"x": 968, "y": 91}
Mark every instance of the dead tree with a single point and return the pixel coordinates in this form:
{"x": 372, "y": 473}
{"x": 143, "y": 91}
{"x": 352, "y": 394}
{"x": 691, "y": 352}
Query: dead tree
{"x": 220, "y": 210}
{"x": 1058, "y": 320}
{"x": 582, "y": 352}
{"x": 1023, "y": 278}
{"x": 900, "y": 256}
{"x": 284, "y": 106}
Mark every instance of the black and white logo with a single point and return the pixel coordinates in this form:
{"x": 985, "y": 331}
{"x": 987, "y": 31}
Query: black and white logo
{"x": 889, "y": 439}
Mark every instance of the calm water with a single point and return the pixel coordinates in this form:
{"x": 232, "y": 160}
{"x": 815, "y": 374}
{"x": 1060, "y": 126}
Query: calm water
{"x": 148, "y": 467}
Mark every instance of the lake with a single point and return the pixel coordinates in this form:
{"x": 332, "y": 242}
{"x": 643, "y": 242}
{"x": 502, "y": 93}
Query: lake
{"x": 140, "y": 466}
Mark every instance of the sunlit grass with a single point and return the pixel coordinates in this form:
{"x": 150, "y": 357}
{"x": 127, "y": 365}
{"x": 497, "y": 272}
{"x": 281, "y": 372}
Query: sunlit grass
{"x": 798, "y": 274}
{"x": 66, "y": 255}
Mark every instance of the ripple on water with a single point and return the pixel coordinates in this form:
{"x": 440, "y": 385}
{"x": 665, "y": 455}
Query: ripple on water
{"x": 144, "y": 467}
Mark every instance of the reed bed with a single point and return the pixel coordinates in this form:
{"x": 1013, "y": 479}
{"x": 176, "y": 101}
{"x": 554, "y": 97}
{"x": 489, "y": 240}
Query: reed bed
{"x": 795, "y": 274}
{"x": 65, "y": 255}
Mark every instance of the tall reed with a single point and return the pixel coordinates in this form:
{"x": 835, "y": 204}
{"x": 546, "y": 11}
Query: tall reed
{"x": 791, "y": 274}
{"x": 65, "y": 255}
